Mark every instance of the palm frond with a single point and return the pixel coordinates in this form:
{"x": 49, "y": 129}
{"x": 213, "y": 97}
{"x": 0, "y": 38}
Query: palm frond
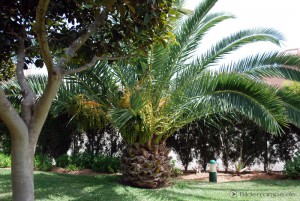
{"x": 187, "y": 37}
{"x": 292, "y": 104}
{"x": 237, "y": 93}
{"x": 188, "y": 43}
{"x": 268, "y": 64}
{"x": 191, "y": 32}
{"x": 233, "y": 42}
{"x": 188, "y": 28}
{"x": 128, "y": 120}
{"x": 37, "y": 83}
{"x": 13, "y": 91}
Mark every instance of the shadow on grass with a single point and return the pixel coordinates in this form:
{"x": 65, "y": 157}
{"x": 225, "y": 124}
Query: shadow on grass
{"x": 5, "y": 186}
{"x": 117, "y": 191}
{"x": 287, "y": 182}
{"x": 103, "y": 187}
{"x": 63, "y": 187}
{"x": 261, "y": 184}
{"x": 70, "y": 187}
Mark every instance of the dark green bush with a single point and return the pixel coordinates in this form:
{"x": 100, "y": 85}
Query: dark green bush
{"x": 98, "y": 163}
{"x": 5, "y": 161}
{"x": 292, "y": 167}
{"x": 106, "y": 164}
{"x": 63, "y": 161}
{"x": 43, "y": 163}
{"x": 82, "y": 160}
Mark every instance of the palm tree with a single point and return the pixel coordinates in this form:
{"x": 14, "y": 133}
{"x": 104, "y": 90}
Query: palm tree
{"x": 169, "y": 89}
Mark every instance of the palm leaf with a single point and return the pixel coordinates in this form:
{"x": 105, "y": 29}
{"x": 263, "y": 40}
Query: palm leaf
{"x": 236, "y": 93}
{"x": 231, "y": 43}
{"x": 292, "y": 105}
{"x": 268, "y": 64}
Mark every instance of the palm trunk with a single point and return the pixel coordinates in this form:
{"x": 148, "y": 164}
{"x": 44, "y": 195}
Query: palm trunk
{"x": 146, "y": 167}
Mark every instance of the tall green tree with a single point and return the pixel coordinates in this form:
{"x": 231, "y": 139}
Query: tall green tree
{"x": 169, "y": 89}
{"x": 197, "y": 140}
{"x": 67, "y": 37}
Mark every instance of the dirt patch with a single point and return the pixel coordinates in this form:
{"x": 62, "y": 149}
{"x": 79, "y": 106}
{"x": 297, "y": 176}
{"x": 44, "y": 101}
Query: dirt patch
{"x": 75, "y": 172}
{"x": 223, "y": 177}
{"x": 204, "y": 176}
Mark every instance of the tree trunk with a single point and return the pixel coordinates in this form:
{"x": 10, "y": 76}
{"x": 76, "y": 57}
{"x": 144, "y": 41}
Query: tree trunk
{"x": 146, "y": 167}
{"x": 266, "y": 158}
{"x": 25, "y": 132}
{"x": 204, "y": 164}
{"x": 22, "y": 170}
{"x": 186, "y": 166}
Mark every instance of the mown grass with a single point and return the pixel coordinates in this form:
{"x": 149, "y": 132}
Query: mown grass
{"x": 62, "y": 187}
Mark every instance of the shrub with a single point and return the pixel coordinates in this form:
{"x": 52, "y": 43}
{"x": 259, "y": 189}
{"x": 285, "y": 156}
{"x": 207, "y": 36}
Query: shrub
{"x": 5, "y": 161}
{"x": 106, "y": 164}
{"x": 82, "y": 160}
{"x": 175, "y": 172}
{"x": 43, "y": 162}
{"x": 98, "y": 163}
{"x": 62, "y": 161}
{"x": 292, "y": 167}
{"x": 72, "y": 167}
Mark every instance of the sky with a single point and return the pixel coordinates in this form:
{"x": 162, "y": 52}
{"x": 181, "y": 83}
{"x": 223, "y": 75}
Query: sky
{"x": 282, "y": 15}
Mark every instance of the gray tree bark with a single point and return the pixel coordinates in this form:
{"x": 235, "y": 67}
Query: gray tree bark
{"x": 24, "y": 138}
{"x": 22, "y": 169}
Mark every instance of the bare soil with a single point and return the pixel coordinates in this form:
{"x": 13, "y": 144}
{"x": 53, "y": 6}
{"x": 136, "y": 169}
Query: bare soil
{"x": 225, "y": 177}
{"x": 75, "y": 172}
{"x": 203, "y": 176}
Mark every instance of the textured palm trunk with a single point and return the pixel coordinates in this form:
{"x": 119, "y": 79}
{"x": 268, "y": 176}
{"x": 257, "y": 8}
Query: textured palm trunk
{"x": 146, "y": 167}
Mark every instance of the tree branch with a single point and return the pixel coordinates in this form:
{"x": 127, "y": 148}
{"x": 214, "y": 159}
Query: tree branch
{"x": 93, "y": 62}
{"x": 72, "y": 49}
{"x": 41, "y": 33}
{"x": 28, "y": 95}
{"x": 10, "y": 116}
{"x": 42, "y": 107}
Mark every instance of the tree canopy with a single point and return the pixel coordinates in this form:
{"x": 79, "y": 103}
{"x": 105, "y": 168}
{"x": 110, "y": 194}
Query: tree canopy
{"x": 127, "y": 26}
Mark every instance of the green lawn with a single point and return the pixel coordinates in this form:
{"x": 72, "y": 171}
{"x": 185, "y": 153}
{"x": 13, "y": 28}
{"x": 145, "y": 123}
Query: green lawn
{"x": 63, "y": 187}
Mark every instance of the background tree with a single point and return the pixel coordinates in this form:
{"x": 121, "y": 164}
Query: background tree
{"x": 282, "y": 148}
{"x": 242, "y": 141}
{"x": 197, "y": 140}
{"x": 183, "y": 144}
{"x": 228, "y": 138}
{"x": 56, "y": 34}
{"x": 56, "y": 136}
